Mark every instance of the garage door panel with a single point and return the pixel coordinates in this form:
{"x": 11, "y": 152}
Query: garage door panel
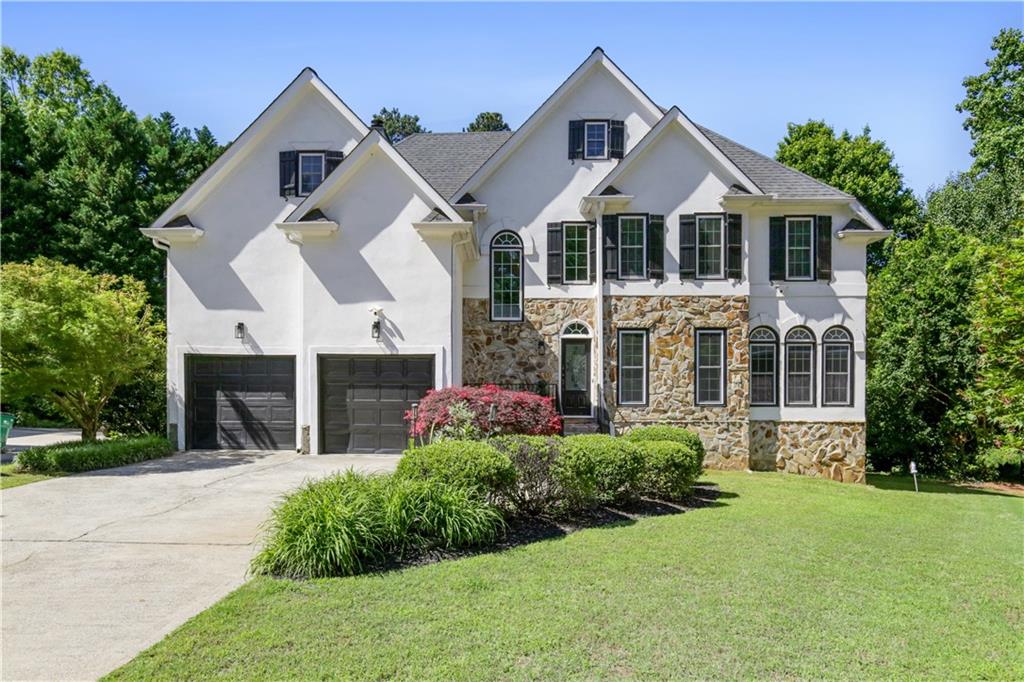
{"x": 240, "y": 402}
{"x": 363, "y": 400}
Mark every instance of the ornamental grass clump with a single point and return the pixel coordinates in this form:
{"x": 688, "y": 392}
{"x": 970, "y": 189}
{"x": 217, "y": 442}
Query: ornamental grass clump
{"x": 348, "y": 523}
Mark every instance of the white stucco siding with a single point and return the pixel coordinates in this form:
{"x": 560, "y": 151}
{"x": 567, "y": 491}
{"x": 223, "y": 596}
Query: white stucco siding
{"x": 377, "y": 259}
{"x": 538, "y": 183}
{"x": 675, "y": 175}
{"x": 243, "y": 269}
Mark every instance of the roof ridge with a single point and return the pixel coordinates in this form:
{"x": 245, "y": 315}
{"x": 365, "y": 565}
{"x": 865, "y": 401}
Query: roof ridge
{"x": 768, "y": 158}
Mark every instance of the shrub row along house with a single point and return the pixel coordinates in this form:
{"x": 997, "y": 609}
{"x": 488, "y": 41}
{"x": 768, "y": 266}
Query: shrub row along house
{"x": 637, "y": 266}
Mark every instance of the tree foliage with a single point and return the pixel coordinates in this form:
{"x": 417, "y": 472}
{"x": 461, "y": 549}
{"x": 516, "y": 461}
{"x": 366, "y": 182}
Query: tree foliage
{"x": 994, "y": 105}
{"x": 86, "y": 172}
{"x": 989, "y": 205}
{"x": 73, "y": 337}
{"x": 398, "y": 125}
{"x": 487, "y": 121}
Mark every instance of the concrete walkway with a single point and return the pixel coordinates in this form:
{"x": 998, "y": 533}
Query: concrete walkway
{"x": 99, "y": 566}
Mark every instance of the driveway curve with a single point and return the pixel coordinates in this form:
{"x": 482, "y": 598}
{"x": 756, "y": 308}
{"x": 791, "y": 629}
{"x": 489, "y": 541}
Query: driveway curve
{"x": 101, "y": 565}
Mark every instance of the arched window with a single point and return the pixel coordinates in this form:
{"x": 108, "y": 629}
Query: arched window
{"x": 576, "y": 328}
{"x": 506, "y": 277}
{"x": 837, "y": 367}
{"x": 800, "y": 367}
{"x": 764, "y": 366}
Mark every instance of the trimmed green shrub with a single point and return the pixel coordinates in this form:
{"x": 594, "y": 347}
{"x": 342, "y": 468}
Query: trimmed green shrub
{"x": 670, "y": 469}
{"x": 78, "y": 456}
{"x": 470, "y": 464}
{"x": 658, "y": 432}
{"x": 346, "y": 523}
{"x": 536, "y": 490}
{"x": 596, "y": 469}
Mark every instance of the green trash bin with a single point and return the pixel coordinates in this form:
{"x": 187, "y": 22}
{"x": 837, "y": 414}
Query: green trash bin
{"x": 6, "y": 424}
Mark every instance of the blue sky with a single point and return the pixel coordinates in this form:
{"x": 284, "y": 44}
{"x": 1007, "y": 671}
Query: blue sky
{"x": 742, "y": 69}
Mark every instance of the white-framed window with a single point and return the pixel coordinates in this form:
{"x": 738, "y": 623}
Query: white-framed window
{"x": 575, "y": 253}
{"x": 632, "y": 247}
{"x": 595, "y": 140}
{"x": 800, "y": 248}
{"x": 764, "y": 366}
{"x": 800, "y": 367}
{"x": 311, "y": 172}
{"x": 837, "y": 367}
{"x": 632, "y": 363}
{"x": 710, "y": 365}
{"x": 710, "y": 247}
{"x": 506, "y": 277}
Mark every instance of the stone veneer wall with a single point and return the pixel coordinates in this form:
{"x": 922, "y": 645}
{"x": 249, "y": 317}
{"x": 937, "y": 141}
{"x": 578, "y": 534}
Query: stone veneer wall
{"x": 524, "y": 352}
{"x": 671, "y": 322}
{"x": 834, "y": 450}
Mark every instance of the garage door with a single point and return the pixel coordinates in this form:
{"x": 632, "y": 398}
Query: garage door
{"x": 363, "y": 400}
{"x": 245, "y": 402}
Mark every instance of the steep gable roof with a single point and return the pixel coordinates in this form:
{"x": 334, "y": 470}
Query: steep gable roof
{"x": 597, "y": 59}
{"x": 447, "y": 160}
{"x": 306, "y": 80}
{"x": 350, "y": 166}
{"x": 677, "y": 118}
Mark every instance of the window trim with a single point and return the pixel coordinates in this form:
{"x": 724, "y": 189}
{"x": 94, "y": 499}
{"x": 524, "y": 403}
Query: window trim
{"x": 813, "y": 248}
{"x": 607, "y": 126}
{"x": 774, "y": 345}
{"x": 721, "y": 246}
{"x": 618, "y": 366}
{"x": 565, "y": 235}
{"x": 812, "y": 344}
{"x": 323, "y": 174}
{"x": 643, "y": 231}
{"x": 721, "y": 333}
{"x": 848, "y": 345}
{"x": 518, "y": 248}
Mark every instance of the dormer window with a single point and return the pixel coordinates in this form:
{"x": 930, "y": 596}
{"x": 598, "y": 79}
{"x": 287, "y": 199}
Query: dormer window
{"x": 311, "y": 172}
{"x": 596, "y": 135}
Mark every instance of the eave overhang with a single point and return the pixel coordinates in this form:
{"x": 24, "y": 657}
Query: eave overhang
{"x": 172, "y": 235}
{"x": 298, "y": 232}
{"x": 591, "y": 204}
{"x": 863, "y": 236}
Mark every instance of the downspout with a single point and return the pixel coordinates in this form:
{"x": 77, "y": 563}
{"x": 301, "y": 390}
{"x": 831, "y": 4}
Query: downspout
{"x": 457, "y": 288}
{"x": 599, "y": 311}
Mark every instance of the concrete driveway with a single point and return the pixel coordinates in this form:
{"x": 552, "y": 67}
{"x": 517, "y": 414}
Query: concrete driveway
{"x": 99, "y": 566}
{"x": 23, "y": 438}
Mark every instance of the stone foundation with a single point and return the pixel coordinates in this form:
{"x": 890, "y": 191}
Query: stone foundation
{"x": 524, "y": 352}
{"x": 834, "y": 450}
{"x": 671, "y": 322}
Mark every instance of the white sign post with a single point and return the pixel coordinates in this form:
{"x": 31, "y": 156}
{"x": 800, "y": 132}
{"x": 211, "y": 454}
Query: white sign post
{"x": 913, "y": 471}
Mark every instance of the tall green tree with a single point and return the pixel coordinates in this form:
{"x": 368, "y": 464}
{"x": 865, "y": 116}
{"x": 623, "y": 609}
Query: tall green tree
{"x": 987, "y": 205}
{"x": 398, "y": 125}
{"x": 857, "y": 164}
{"x": 81, "y": 172}
{"x": 487, "y": 121}
{"x": 994, "y": 104}
{"x": 74, "y": 338}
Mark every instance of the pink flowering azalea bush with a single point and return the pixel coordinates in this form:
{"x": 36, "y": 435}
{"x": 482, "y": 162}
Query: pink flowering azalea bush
{"x": 516, "y": 411}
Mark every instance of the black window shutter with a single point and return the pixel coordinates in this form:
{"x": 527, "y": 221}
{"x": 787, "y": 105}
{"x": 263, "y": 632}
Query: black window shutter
{"x": 616, "y": 139}
{"x": 824, "y": 247}
{"x": 777, "y": 248}
{"x": 592, "y": 268}
{"x": 575, "y": 139}
{"x": 289, "y": 161}
{"x": 610, "y": 228}
{"x": 554, "y": 253}
{"x": 734, "y": 247}
{"x": 331, "y": 161}
{"x": 656, "y": 247}
{"x": 687, "y": 246}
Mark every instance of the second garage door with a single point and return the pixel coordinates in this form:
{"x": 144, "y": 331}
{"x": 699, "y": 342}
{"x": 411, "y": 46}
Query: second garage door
{"x": 363, "y": 400}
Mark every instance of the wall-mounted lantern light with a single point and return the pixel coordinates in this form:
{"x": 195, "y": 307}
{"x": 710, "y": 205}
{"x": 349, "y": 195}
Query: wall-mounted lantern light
{"x": 375, "y": 325}
{"x": 240, "y": 330}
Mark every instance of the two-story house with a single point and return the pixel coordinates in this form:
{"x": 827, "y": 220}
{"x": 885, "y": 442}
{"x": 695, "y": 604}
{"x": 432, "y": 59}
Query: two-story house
{"x": 638, "y": 267}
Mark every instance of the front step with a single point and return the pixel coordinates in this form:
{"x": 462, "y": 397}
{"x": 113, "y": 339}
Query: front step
{"x": 572, "y": 426}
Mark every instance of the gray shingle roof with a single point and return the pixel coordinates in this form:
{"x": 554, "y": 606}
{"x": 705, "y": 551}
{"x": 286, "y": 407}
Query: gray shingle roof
{"x": 447, "y": 160}
{"x": 770, "y": 175}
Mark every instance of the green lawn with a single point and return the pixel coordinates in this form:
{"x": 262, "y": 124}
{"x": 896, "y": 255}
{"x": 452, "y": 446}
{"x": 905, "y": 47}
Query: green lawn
{"x": 787, "y": 577}
{"x": 10, "y": 478}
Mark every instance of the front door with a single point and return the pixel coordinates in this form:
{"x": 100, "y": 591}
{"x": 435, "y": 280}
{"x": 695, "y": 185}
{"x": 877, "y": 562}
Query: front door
{"x": 576, "y": 377}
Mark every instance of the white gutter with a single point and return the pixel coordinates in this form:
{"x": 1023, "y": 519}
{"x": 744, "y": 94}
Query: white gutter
{"x": 599, "y": 303}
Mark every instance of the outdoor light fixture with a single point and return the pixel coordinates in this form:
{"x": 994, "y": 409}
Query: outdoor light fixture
{"x": 240, "y": 330}
{"x": 375, "y": 325}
